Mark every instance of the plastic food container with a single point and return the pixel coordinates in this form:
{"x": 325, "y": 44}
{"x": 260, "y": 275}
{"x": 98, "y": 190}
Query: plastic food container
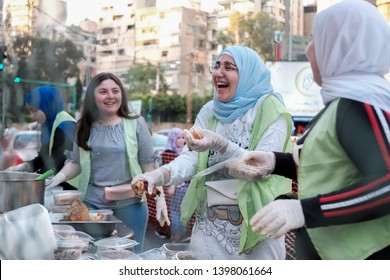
{"x": 115, "y": 243}
{"x": 121, "y": 254}
{"x": 152, "y": 254}
{"x": 65, "y": 197}
{"x": 63, "y": 227}
{"x": 171, "y": 249}
{"x": 68, "y": 249}
{"x": 60, "y": 208}
{"x": 76, "y": 235}
{"x": 186, "y": 255}
{"x": 63, "y": 230}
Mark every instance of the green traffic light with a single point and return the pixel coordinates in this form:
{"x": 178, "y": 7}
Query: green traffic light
{"x": 17, "y": 80}
{"x": 1, "y": 66}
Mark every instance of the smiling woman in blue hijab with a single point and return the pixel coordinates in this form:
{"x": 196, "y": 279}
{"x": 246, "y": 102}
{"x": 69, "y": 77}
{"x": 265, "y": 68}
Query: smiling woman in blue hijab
{"x": 245, "y": 114}
{"x": 45, "y": 106}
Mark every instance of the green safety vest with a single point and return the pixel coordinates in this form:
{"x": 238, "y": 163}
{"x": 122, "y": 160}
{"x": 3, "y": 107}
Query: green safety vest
{"x": 324, "y": 167}
{"x": 251, "y": 196}
{"x": 130, "y": 134}
{"x": 61, "y": 117}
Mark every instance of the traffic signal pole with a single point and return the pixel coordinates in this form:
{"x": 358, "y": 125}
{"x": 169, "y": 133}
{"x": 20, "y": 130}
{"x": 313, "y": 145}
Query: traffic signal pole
{"x": 74, "y": 92}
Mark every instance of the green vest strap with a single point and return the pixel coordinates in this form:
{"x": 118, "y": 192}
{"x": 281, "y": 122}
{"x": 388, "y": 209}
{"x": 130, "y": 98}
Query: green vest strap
{"x": 62, "y": 117}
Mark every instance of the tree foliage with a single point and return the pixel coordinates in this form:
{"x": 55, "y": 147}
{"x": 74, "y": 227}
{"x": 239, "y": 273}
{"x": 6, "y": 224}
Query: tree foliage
{"x": 142, "y": 78}
{"x": 254, "y": 30}
{"x": 39, "y": 59}
{"x": 169, "y": 108}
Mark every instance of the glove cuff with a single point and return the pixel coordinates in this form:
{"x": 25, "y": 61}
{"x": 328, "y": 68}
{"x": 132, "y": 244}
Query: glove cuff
{"x": 60, "y": 177}
{"x": 161, "y": 177}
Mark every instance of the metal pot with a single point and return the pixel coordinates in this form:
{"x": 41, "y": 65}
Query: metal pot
{"x": 19, "y": 189}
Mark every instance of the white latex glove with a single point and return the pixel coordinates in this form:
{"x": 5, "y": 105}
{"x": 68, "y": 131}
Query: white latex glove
{"x": 20, "y": 167}
{"x": 253, "y": 166}
{"x": 278, "y": 217}
{"x": 210, "y": 141}
{"x": 162, "y": 211}
{"x": 154, "y": 178}
{"x": 55, "y": 181}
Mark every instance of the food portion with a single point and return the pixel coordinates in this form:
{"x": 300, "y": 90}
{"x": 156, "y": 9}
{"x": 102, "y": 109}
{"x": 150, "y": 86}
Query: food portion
{"x": 78, "y": 211}
{"x": 196, "y": 134}
{"x": 140, "y": 188}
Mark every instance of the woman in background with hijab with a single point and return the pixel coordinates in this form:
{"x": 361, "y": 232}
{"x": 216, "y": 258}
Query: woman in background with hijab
{"x": 45, "y": 106}
{"x": 174, "y": 147}
{"x": 245, "y": 114}
{"x": 176, "y": 142}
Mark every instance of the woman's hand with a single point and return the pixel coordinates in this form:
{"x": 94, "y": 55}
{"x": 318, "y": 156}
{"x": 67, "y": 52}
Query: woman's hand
{"x": 256, "y": 165}
{"x": 209, "y": 141}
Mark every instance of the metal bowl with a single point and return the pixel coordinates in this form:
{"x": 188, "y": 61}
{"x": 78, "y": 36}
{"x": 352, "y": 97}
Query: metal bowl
{"x": 19, "y": 189}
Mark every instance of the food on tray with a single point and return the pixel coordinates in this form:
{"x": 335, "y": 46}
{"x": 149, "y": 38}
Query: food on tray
{"x": 78, "y": 211}
{"x": 196, "y": 134}
{"x": 140, "y": 188}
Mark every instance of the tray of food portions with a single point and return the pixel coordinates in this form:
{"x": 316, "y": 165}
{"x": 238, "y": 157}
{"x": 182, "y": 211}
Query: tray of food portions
{"x": 97, "y": 223}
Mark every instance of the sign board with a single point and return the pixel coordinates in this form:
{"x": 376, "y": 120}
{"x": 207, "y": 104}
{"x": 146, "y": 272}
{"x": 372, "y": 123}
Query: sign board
{"x": 135, "y": 106}
{"x": 278, "y": 37}
{"x": 294, "y": 81}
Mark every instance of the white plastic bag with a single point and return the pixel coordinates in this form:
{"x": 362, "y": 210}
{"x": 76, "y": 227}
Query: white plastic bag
{"x": 26, "y": 233}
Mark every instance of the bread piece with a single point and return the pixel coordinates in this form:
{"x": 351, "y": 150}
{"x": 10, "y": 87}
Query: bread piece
{"x": 196, "y": 134}
{"x": 140, "y": 187}
{"x": 78, "y": 211}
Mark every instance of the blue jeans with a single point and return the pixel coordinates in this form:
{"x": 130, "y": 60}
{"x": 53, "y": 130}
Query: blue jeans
{"x": 135, "y": 217}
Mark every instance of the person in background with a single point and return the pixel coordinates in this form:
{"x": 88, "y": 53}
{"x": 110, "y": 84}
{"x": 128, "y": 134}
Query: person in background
{"x": 342, "y": 161}
{"x": 176, "y": 142}
{"x": 245, "y": 114}
{"x": 113, "y": 145}
{"x": 45, "y": 106}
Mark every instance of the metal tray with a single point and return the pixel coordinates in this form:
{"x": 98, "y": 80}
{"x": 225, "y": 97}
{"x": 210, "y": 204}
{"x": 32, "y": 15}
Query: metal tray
{"x": 96, "y": 229}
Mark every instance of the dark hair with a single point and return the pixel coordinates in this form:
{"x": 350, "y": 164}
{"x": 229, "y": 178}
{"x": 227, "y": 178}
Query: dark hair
{"x": 90, "y": 112}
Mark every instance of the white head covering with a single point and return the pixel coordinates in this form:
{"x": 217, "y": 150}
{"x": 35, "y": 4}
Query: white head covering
{"x": 352, "y": 48}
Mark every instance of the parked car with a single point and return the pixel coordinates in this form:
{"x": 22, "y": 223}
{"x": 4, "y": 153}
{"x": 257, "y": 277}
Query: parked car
{"x": 27, "y": 144}
{"x": 20, "y": 146}
{"x": 164, "y": 132}
{"x": 159, "y": 142}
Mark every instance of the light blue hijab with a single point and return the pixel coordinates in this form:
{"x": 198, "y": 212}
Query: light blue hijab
{"x": 254, "y": 80}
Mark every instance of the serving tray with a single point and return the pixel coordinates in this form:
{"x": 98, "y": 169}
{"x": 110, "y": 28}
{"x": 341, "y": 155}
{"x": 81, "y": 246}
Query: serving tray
{"x": 97, "y": 229}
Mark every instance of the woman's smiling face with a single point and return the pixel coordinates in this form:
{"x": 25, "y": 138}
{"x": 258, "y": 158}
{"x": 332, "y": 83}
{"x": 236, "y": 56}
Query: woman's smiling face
{"x": 225, "y": 82}
{"x": 108, "y": 97}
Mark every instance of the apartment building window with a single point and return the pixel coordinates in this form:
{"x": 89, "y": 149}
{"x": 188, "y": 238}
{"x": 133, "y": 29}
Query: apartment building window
{"x": 117, "y": 18}
{"x": 199, "y": 44}
{"x": 199, "y": 68}
{"x": 107, "y": 30}
{"x": 106, "y": 53}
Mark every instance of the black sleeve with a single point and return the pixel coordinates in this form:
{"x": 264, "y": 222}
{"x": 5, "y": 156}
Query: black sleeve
{"x": 361, "y": 132}
{"x": 285, "y": 165}
{"x": 56, "y": 160}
